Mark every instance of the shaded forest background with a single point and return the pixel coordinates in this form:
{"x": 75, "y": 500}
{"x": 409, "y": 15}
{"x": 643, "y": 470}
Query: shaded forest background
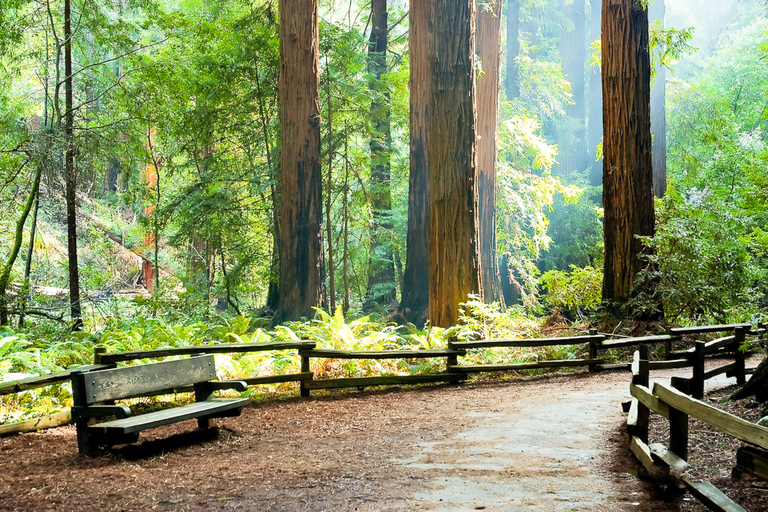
{"x": 167, "y": 151}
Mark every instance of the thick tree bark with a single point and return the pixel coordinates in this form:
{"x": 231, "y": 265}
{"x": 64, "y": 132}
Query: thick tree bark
{"x": 628, "y": 171}
{"x": 595, "y": 119}
{"x": 657, "y": 11}
{"x": 575, "y": 155}
{"x": 301, "y": 261}
{"x": 454, "y": 265}
{"x": 381, "y": 267}
{"x": 513, "y": 49}
{"x": 414, "y": 304}
{"x": 70, "y": 175}
{"x": 489, "y": 51}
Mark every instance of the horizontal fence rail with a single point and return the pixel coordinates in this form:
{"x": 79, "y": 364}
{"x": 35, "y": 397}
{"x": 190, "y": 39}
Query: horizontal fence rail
{"x": 454, "y": 371}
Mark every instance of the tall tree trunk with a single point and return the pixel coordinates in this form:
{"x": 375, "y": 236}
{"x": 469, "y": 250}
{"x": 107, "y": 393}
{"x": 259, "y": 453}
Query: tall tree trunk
{"x": 595, "y": 119}
{"x": 329, "y": 195}
{"x": 300, "y": 245}
{"x": 454, "y": 267}
{"x": 628, "y": 171}
{"x": 381, "y": 272}
{"x": 345, "y": 256}
{"x": 5, "y": 275}
{"x": 489, "y": 51}
{"x": 573, "y": 56}
{"x": 414, "y": 303}
{"x": 513, "y": 49}
{"x": 70, "y": 175}
{"x": 657, "y": 11}
{"x": 30, "y": 252}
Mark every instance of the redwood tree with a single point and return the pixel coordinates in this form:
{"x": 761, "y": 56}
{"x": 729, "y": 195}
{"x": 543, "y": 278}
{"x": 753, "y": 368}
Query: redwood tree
{"x": 415, "y": 300}
{"x": 300, "y": 177}
{"x": 453, "y": 255}
{"x": 489, "y": 51}
{"x": 627, "y": 165}
{"x": 575, "y": 155}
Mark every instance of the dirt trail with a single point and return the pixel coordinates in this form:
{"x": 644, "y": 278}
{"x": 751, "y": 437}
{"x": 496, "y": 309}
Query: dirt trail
{"x": 538, "y": 444}
{"x": 535, "y": 453}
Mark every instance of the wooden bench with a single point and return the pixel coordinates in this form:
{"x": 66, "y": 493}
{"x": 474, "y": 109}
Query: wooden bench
{"x": 94, "y": 393}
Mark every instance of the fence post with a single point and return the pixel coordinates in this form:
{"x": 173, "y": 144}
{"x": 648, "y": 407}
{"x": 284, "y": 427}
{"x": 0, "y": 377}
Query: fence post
{"x": 303, "y": 390}
{"x": 697, "y": 382}
{"x": 678, "y": 423}
{"x": 452, "y": 360}
{"x": 642, "y": 378}
{"x": 98, "y": 351}
{"x": 593, "y": 347}
{"x": 740, "y": 335}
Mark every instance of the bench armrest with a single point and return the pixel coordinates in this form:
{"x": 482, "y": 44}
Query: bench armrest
{"x": 120, "y": 411}
{"x": 238, "y": 385}
{"x": 204, "y": 390}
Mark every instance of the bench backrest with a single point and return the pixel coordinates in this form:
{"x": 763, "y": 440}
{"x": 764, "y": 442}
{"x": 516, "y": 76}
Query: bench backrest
{"x": 105, "y": 385}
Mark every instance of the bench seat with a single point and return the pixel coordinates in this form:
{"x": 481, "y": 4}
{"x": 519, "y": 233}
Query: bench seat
{"x": 95, "y": 393}
{"x": 212, "y": 408}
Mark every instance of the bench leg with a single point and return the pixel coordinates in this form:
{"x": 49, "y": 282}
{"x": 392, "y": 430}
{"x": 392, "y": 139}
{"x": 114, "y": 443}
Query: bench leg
{"x": 205, "y": 423}
{"x": 84, "y": 444}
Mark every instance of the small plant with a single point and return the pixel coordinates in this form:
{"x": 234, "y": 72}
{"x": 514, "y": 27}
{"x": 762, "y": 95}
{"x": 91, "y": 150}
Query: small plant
{"x": 577, "y": 291}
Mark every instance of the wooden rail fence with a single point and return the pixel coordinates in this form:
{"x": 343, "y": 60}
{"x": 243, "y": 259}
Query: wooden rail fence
{"x": 673, "y": 403}
{"x": 454, "y": 372}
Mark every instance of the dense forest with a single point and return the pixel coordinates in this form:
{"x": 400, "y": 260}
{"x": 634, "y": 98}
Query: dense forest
{"x": 175, "y": 172}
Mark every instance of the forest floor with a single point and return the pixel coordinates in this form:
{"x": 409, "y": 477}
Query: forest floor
{"x": 546, "y": 443}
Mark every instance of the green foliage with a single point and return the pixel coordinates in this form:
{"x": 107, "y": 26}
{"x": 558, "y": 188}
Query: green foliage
{"x": 668, "y": 44}
{"x": 710, "y": 239}
{"x": 526, "y": 193}
{"x": 710, "y": 262}
{"x": 577, "y": 291}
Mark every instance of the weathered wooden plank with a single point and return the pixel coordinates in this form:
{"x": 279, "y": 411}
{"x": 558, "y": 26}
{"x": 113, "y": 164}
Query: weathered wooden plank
{"x": 644, "y": 340}
{"x": 534, "y": 342}
{"x": 714, "y": 372}
{"x": 753, "y": 461}
{"x": 616, "y": 366}
{"x": 669, "y": 459}
{"x": 167, "y": 416}
{"x": 359, "y": 382}
{"x": 728, "y": 423}
{"x": 711, "y": 496}
{"x": 276, "y": 379}
{"x": 632, "y": 415}
{"x": 48, "y": 421}
{"x": 555, "y": 363}
{"x": 16, "y": 386}
{"x": 644, "y": 395}
{"x": 226, "y": 348}
{"x": 642, "y": 452}
{"x": 381, "y": 354}
{"x": 135, "y": 380}
{"x": 705, "y": 329}
{"x": 714, "y": 345}
{"x": 670, "y": 364}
